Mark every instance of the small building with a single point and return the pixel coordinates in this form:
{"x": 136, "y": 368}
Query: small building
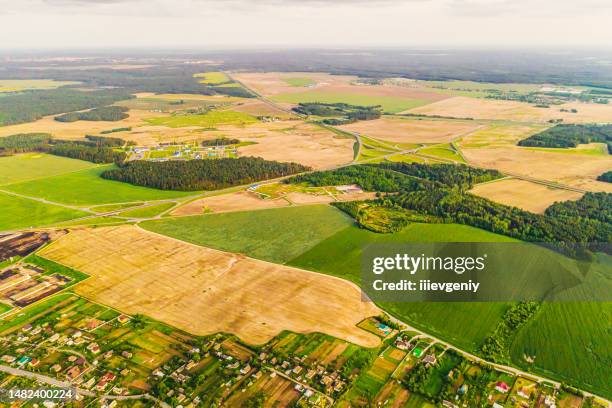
{"x": 430, "y": 359}
{"x": 502, "y": 387}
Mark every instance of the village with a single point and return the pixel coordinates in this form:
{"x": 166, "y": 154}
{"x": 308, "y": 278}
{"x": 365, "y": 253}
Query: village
{"x": 176, "y": 151}
{"x": 111, "y": 357}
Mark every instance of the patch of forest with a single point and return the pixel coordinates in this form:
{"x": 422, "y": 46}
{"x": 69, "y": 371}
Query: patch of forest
{"x": 95, "y": 149}
{"x": 564, "y": 136}
{"x": 196, "y": 175}
{"x": 220, "y": 141}
{"x": 339, "y": 113}
{"x": 607, "y": 177}
{"x": 440, "y": 191}
{"x": 29, "y": 106}
{"x": 105, "y": 113}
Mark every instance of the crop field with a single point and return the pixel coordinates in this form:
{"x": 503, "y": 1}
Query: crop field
{"x": 390, "y": 104}
{"x": 303, "y": 143}
{"x": 444, "y": 151}
{"x": 258, "y": 108}
{"x": 86, "y": 187}
{"x": 500, "y": 134}
{"x": 212, "y": 78}
{"x": 300, "y": 82}
{"x": 28, "y": 166}
{"x": 576, "y": 331}
{"x": 572, "y": 169}
{"x": 17, "y": 213}
{"x": 204, "y": 291}
{"x": 16, "y": 85}
{"x": 523, "y": 194}
{"x": 402, "y": 130}
{"x": 146, "y": 212}
{"x": 276, "y": 235}
{"x": 239, "y": 201}
{"x": 465, "y": 107}
{"x": 208, "y": 120}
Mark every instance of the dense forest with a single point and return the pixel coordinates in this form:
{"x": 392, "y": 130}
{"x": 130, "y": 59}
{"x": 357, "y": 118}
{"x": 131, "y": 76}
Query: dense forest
{"x": 368, "y": 177}
{"x": 201, "y": 174}
{"x": 454, "y": 175}
{"x": 221, "y": 141}
{"x": 96, "y": 149}
{"x": 339, "y": 113}
{"x": 439, "y": 192}
{"x": 607, "y": 177}
{"x": 592, "y": 206}
{"x": 105, "y": 113}
{"x": 571, "y": 136}
{"x": 23, "y": 142}
{"x": 29, "y": 106}
{"x": 94, "y": 154}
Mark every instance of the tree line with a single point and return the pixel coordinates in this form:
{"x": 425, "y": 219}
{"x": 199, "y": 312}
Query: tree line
{"x": 220, "y": 141}
{"x": 196, "y": 175}
{"x": 29, "y": 106}
{"x": 105, "y": 113}
{"x": 96, "y": 149}
{"x": 563, "y": 136}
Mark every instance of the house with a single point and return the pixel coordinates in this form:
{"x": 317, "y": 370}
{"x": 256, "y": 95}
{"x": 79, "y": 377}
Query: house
{"x": 430, "y": 359}
{"x": 73, "y": 372}
{"x": 297, "y": 369}
{"x": 125, "y": 372}
{"x": 24, "y": 360}
{"x": 89, "y": 383}
{"x": 126, "y": 354}
{"x": 502, "y": 387}
{"x": 108, "y": 354}
{"x": 101, "y": 385}
{"x": 245, "y": 369}
{"x": 34, "y": 362}
{"x": 94, "y": 348}
{"x": 56, "y": 368}
{"x": 123, "y": 319}
{"x": 8, "y": 359}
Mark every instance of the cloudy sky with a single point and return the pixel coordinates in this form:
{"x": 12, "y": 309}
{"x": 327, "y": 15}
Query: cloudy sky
{"x": 296, "y": 23}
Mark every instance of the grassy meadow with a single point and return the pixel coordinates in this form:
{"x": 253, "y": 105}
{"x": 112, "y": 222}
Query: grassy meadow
{"x": 16, "y": 85}
{"x": 86, "y": 187}
{"x": 146, "y": 212}
{"x": 17, "y": 213}
{"x": 276, "y": 235}
{"x": 28, "y": 166}
{"x": 299, "y": 82}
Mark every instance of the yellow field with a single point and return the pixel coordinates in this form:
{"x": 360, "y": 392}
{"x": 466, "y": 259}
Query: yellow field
{"x": 15, "y": 85}
{"x": 524, "y": 194}
{"x": 465, "y": 107}
{"x": 412, "y": 130}
{"x": 240, "y": 201}
{"x": 205, "y": 291}
{"x": 495, "y": 147}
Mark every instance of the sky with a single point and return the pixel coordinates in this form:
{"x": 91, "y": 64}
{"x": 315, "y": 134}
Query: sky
{"x": 213, "y": 24}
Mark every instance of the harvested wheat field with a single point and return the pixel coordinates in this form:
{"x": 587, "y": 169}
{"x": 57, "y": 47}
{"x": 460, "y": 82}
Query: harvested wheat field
{"x": 412, "y": 130}
{"x": 240, "y": 201}
{"x": 577, "y": 170}
{"x": 304, "y": 143}
{"x": 204, "y": 291}
{"x": 524, "y": 194}
{"x": 464, "y": 107}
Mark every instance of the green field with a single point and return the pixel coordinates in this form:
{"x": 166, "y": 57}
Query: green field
{"x": 93, "y": 222}
{"x": 17, "y": 213}
{"x": 146, "y": 212}
{"x": 276, "y": 235}
{"x": 212, "y": 78}
{"x": 389, "y": 104}
{"x": 299, "y": 82}
{"x": 457, "y": 323}
{"x": 207, "y": 120}
{"x": 86, "y": 187}
{"x": 445, "y": 152}
{"x": 16, "y": 85}
{"x": 28, "y": 166}
{"x": 570, "y": 341}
